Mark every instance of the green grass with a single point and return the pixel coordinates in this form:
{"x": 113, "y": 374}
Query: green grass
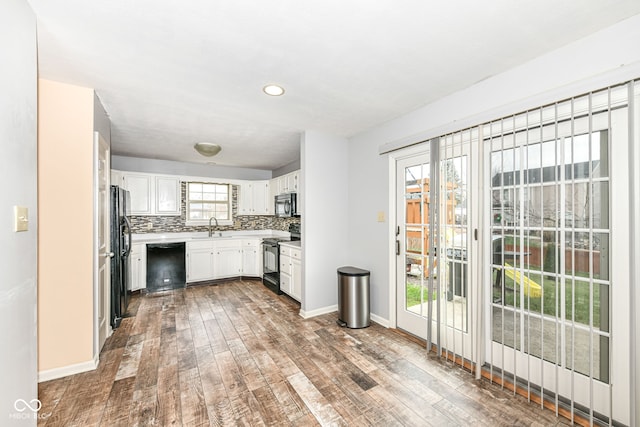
{"x": 576, "y": 295}
{"x": 414, "y": 296}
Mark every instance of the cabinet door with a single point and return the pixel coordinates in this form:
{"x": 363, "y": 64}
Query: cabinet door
{"x": 138, "y": 267}
{"x": 250, "y": 262}
{"x": 140, "y": 188}
{"x": 245, "y": 199}
{"x": 167, "y": 196}
{"x": 296, "y": 279}
{"x": 228, "y": 262}
{"x": 261, "y": 198}
{"x": 116, "y": 178}
{"x": 294, "y": 178}
{"x": 199, "y": 265}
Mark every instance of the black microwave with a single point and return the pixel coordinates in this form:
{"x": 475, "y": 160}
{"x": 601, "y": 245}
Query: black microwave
{"x": 286, "y": 205}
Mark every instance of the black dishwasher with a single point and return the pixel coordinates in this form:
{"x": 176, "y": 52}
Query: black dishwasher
{"x": 165, "y": 266}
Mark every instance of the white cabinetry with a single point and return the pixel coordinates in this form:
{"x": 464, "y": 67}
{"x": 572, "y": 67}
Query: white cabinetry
{"x": 199, "y": 260}
{"x": 286, "y": 183}
{"x": 296, "y": 276}
{"x": 167, "y": 195}
{"x": 289, "y": 183}
{"x": 139, "y": 187}
{"x": 138, "y": 267}
{"x": 251, "y": 265}
{"x": 222, "y": 258}
{"x": 152, "y": 194}
{"x": 254, "y": 198}
{"x": 227, "y": 258}
{"x": 291, "y": 271}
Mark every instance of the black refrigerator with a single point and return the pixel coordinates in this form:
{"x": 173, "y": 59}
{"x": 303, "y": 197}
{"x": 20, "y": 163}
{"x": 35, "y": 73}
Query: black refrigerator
{"x": 121, "y": 248}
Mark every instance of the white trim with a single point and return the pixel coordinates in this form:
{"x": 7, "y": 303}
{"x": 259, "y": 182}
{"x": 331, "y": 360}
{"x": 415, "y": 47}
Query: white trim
{"x": 379, "y": 320}
{"x": 64, "y": 371}
{"x": 96, "y": 279}
{"x": 392, "y": 240}
{"x": 318, "y": 311}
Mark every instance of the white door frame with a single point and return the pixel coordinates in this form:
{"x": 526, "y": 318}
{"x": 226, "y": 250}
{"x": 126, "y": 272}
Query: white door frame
{"x": 96, "y": 253}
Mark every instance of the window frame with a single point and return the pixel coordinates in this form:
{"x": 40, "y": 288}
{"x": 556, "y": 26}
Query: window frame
{"x": 229, "y": 203}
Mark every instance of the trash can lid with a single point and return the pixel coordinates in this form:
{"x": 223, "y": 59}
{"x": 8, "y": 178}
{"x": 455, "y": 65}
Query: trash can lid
{"x": 353, "y": 271}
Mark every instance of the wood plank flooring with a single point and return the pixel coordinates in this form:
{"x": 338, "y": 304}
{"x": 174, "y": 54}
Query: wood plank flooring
{"x": 236, "y": 354}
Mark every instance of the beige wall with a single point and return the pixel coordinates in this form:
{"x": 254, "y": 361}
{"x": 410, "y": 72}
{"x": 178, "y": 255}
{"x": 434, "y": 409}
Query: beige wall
{"x": 65, "y": 225}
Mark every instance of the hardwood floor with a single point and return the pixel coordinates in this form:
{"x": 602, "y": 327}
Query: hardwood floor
{"x": 237, "y": 354}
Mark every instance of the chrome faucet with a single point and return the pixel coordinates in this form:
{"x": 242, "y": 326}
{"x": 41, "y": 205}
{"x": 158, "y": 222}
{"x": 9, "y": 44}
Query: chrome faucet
{"x": 211, "y": 231}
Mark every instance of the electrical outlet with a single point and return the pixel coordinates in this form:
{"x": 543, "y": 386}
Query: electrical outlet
{"x": 149, "y": 225}
{"x": 381, "y": 216}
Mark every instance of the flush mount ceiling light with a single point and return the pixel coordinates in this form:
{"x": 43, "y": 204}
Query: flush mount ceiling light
{"x": 207, "y": 149}
{"x": 273, "y": 90}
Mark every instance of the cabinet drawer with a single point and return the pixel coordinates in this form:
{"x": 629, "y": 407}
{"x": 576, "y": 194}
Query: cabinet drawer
{"x": 251, "y": 243}
{"x": 285, "y": 265}
{"x": 285, "y": 250}
{"x": 285, "y": 284}
{"x": 227, "y": 243}
{"x": 205, "y": 244}
{"x": 296, "y": 253}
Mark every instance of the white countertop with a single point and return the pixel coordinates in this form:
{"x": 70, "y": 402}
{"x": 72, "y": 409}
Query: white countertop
{"x": 202, "y": 235}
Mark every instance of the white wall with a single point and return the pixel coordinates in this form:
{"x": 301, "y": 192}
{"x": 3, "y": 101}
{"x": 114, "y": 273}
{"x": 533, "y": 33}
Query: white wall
{"x": 324, "y": 222}
{"x": 18, "y": 109}
{"x": 368, "y": 242}
{"x": 613, "y": 51}
{"x": 137, "y": 164}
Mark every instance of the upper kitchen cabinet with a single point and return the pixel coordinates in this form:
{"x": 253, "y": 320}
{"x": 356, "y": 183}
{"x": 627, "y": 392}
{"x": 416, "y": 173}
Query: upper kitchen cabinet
{"x": 289, "y": 183}
{"x": 286, "y": 183}
{"x": 254, "y": 198}
{"x": 152, "y": 194}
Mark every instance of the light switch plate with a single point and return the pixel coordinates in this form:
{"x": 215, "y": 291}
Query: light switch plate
{"x": 381, "y": 216}
{"x": 20, "y": 218}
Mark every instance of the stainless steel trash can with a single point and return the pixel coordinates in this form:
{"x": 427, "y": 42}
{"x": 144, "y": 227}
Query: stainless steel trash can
{"x": 353, "y": 297}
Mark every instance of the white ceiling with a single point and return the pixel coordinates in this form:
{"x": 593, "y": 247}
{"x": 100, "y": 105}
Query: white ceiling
{"x": 172, "y": 73}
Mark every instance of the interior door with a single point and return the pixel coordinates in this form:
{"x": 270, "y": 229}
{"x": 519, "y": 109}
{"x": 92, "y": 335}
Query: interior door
{"x": 103, "y": 174}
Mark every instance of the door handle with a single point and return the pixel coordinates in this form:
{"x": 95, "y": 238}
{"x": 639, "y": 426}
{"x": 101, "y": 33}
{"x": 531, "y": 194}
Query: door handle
{"x": 397, "y": 247}
{"x": 108, "y": 255}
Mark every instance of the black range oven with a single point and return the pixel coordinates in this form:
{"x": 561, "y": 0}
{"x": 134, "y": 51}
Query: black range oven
{"x": 271, "y": 258}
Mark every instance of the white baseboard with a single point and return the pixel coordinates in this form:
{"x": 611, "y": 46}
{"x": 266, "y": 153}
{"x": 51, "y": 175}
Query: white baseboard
{"x": 65, "y": 371}
{"x": 379, "y": 320}
{"x": 318, "y": 311}
{"x": 332, "y": 308}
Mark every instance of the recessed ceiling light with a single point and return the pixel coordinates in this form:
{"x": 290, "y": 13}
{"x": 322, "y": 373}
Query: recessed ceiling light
{"x": 273, "y": 90}
{"x": 207, "y": 149}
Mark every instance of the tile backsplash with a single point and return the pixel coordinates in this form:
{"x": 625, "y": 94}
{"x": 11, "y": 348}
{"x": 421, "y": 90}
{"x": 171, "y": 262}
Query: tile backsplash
{"x": 176, "y": 224}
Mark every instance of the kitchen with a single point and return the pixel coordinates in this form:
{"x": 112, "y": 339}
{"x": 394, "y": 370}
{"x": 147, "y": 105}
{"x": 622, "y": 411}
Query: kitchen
{"x": 344, "y": 180}
{"x": 165, "y": 216}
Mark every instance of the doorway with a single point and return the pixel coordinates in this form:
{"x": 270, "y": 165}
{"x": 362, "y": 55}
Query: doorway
{"x": 433, "y": 245}
{"x": 512, "y": 250}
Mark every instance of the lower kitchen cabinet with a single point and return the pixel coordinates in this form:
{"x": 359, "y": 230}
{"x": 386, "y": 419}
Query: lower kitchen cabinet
{"x": 138, "y": 267}
{"x": 227, "y": 260}
{"x": 251, "y": 259}
{"x": 223, "y": 258}
{"x": 291, "y": 271}
{"x": 199, "y": 261}
{"x": 296, "y": 279}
